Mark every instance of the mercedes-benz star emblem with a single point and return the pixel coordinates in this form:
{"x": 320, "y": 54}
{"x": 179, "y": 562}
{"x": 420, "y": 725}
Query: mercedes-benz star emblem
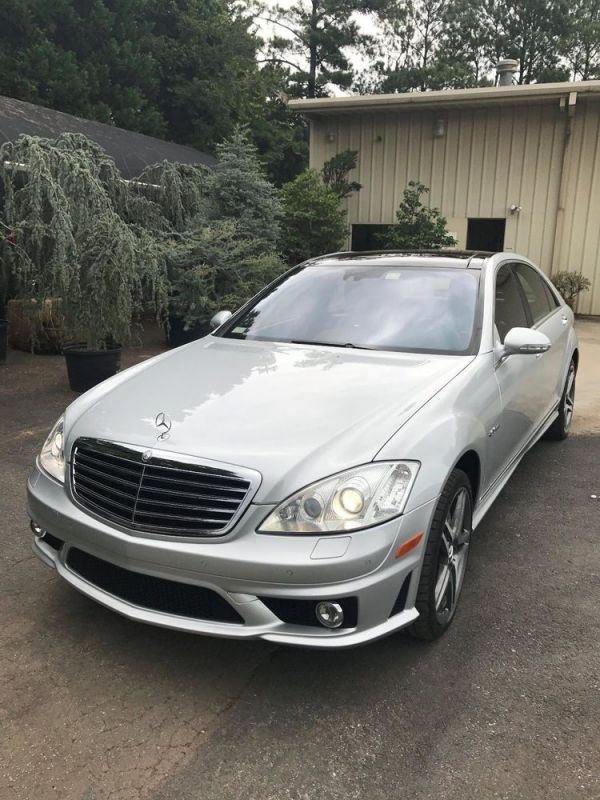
{"x": 163, "y": 425}
{"x": 146, "y": 455}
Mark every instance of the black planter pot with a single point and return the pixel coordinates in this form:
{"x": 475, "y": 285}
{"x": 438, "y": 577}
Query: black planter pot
{"x": 86, "y": 368}
{"x": 178, "y": 335}
{"x": 3, "y": 340}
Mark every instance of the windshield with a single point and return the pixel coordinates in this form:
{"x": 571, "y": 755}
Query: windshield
{"x": 382, "y": 308}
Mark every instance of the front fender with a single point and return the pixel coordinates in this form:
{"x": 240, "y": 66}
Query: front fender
{"x": 454, "y": 422}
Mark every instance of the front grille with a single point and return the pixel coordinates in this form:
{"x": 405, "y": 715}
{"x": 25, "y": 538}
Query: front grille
{"x": 158, "y": 495}
{"x": 147, "y": 591}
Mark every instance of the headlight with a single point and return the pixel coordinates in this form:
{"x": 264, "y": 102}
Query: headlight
{"x": 52, "y": 457}
{"x": 351, "y": 500}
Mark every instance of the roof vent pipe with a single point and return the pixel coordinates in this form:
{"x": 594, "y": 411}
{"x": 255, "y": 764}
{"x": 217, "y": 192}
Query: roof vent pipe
{"x": 506, "y": 70}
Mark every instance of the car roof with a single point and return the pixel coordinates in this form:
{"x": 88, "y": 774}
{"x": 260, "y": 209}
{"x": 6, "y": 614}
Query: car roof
{"x": 473, "y": 259}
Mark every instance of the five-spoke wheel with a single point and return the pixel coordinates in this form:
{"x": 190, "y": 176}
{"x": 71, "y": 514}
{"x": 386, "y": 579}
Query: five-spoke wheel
{"x": 452, "y": 562}
{"x": 445, "y": 560}
{"x": 560, "y": 427}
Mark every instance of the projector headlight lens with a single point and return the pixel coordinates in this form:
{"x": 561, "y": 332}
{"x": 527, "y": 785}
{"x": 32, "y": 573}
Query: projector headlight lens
{"x": 355, "y": 499}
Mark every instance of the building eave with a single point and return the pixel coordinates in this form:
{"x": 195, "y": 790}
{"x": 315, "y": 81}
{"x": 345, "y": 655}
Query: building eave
{"x": 448, "y": 98}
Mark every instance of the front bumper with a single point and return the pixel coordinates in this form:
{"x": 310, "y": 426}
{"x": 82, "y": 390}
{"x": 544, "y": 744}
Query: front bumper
{"x": 243, "y": 567}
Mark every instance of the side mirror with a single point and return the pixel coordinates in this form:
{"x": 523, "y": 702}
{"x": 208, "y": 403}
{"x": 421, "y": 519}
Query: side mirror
{"x": 219, "y": 318}
{"x": 525, "y": 341}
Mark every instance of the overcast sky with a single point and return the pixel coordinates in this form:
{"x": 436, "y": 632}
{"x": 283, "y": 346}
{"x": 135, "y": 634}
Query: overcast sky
{"x": 365, "y": 21}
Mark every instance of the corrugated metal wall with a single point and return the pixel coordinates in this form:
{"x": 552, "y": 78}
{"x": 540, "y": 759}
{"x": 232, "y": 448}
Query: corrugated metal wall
{"x": 578, "y": 240}
{"x": 489, "y": 159}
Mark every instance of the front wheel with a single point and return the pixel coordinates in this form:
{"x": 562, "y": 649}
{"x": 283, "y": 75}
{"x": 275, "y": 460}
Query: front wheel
{"x": 560, "y": 427}
{"x": 445, "y": 560}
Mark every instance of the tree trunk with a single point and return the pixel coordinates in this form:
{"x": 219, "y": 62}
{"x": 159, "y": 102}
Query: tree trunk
{"x": 312, "y": 69}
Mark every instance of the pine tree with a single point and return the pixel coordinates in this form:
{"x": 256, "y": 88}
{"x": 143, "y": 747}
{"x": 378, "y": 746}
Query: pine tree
{"x": 312, "y": 40}
{"x": 240, "y": 190}
{"x": 581, "y": 44}
{"x": 336, "y": 170}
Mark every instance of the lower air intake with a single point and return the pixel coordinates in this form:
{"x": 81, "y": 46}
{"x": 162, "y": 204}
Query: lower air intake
{"x": 147, "y": 591}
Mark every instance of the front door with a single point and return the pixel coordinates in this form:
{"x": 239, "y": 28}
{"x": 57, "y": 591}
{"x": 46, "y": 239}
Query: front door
{"x": 516, "y": 376}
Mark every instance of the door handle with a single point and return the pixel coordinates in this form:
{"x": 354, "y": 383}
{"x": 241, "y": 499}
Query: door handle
{"x": 564, "y": 319}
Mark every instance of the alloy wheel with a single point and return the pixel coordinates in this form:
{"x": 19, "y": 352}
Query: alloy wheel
{"x": 570, "y": 397}
{"x": 452, "y": 562}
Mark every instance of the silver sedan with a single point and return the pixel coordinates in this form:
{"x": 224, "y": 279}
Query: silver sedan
{"x": 312, "y": 472}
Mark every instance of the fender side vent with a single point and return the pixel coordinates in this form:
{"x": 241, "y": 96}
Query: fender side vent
{"x": 400, "y": 603}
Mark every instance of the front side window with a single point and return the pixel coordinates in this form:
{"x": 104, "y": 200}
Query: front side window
{"x": 535, "y": 291}
{"x": 413, "y": 309}
{"x": 509, "y": 311}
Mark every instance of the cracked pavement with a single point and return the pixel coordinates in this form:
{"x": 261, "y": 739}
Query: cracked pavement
{"x": 95, "y": 707}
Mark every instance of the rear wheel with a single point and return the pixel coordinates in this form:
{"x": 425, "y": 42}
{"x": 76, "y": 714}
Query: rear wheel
{"x": 445, "y": 560}
{"x": 560, "y": 427}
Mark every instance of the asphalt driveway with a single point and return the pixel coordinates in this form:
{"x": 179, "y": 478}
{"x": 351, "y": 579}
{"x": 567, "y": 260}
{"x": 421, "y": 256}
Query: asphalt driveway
{"x": 507, "y": 705}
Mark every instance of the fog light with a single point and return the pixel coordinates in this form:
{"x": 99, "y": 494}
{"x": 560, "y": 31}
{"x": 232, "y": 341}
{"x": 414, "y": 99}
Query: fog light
{"x": 331, "y": 615}
{"x": 36, "y": 530}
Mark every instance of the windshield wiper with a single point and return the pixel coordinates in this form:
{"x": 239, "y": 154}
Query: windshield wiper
{"x": 332, "y": 344}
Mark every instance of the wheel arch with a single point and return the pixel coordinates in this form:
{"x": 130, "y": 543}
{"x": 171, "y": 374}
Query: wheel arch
{"x": 470, "y": 464}
{"x": 575, "y": 358}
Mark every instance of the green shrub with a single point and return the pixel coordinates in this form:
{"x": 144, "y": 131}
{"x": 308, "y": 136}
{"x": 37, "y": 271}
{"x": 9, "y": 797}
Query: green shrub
{"x": 218, "y": 267}
{"x": 417, "y": 226}
{"x": 570, "y": 285}
{"x": 313, "y": 222}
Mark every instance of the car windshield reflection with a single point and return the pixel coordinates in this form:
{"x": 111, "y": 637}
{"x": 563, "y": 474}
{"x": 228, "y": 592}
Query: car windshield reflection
{"x": 366, "y": 307}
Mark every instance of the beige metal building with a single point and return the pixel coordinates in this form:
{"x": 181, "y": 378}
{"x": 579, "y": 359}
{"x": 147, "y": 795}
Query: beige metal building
{"x": 511, "y": 167}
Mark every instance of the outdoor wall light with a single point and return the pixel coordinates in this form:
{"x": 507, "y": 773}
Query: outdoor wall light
{"x": 515, "y": 209}
{"x": 439, "y": 128}
{"x": 331, "y": 136}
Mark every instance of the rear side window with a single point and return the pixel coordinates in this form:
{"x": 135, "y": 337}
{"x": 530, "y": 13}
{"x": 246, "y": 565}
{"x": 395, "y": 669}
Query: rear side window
{"x": 535, "y": 291}
{"x": 509, "y": 311}
{"x": 551, "y": 296}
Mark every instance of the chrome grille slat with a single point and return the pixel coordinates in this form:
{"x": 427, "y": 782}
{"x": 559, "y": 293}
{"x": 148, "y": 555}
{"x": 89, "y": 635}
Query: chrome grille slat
{"x": 225, "y": 477}
{"x": 178, "y": 517}
{"x": 83, "y": 471}
{"x": 191, "y": 484}
{"x": 166, "y": 505}
{"x": 176, "y": 493}
{"x": 178, "y": 498}
{"x": 106, "y": 456}
{"x": 102, "y": 500}
{"x": 94, "y": 485}
{"x": 83, "y": 458}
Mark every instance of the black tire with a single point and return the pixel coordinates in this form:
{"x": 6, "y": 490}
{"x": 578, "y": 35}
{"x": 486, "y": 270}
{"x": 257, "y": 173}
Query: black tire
{"x": 433, "y": 620}
{"x": 559, "y": 429}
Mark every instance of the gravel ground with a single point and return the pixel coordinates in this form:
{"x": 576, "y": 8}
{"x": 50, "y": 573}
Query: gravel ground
{"x": 506, "y": 705}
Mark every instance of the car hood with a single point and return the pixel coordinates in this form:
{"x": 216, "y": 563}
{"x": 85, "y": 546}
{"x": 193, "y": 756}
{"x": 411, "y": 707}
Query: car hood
{"x": 294, "y": 413}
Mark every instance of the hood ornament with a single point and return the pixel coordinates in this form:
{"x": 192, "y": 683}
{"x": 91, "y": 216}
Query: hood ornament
{"x": 163, "y": 424}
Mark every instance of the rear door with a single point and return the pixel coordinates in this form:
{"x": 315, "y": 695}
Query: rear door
{"x": 549, "y": 317}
